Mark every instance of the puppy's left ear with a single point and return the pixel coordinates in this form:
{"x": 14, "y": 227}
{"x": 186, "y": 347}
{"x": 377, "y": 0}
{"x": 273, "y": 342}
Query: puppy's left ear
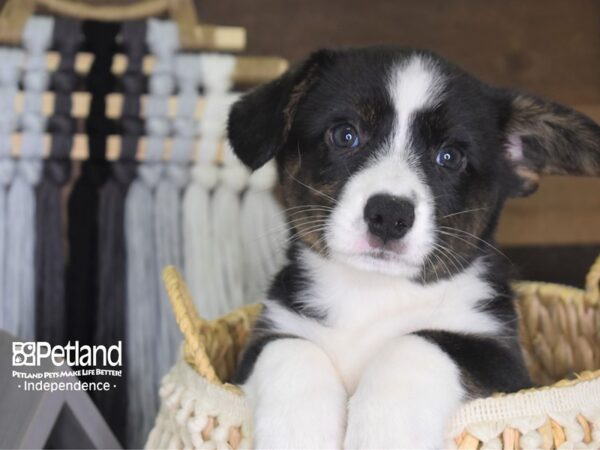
{"x": 546, "y": 138}
{"x": 260, "y": 121}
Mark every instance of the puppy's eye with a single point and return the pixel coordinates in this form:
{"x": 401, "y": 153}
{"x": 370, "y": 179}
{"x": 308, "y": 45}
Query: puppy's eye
{"x": 450, "y": 158}
{"x": 345, "y": 136}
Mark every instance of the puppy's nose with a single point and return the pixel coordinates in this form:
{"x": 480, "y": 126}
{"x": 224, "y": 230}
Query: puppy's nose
{"x": 389, "y": 217}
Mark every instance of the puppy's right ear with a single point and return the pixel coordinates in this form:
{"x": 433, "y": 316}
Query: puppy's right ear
{"x": 259, "y": 123}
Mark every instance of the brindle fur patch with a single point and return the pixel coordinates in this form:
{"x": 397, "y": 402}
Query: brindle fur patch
{"x": 308, "y": 201}
{"x": 556, "y": 140}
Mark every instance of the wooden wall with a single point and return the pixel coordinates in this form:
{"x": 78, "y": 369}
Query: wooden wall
{"x": 551, "y": 47}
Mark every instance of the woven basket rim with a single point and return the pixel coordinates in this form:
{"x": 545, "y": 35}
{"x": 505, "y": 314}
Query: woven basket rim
{"x": 580, "y": 394}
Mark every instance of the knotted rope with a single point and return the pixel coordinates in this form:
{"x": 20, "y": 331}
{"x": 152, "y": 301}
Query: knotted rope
{"x": 49, "y": 254}
{"x": 19, "y": 284}
{"x": 82, "y": 271}
{"x": 263, "y": 231}
{"x": 111, "y": 308}
{"x": 167, "y": 212}
{"x": 143, "y": 308}
{"x": 9, "y": 79}
{"x": 213, "y": 247}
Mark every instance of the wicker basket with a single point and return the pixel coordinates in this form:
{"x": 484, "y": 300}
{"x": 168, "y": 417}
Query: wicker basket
{"x": 560, "y": 330}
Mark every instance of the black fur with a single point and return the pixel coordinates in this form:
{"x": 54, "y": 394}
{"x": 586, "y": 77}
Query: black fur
{"x": 290, "y": 283}
{"x": 487, "y": 364}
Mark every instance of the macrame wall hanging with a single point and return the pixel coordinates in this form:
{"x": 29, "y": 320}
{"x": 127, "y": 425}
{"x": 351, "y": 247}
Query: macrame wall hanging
{"x": 154, "y": 183}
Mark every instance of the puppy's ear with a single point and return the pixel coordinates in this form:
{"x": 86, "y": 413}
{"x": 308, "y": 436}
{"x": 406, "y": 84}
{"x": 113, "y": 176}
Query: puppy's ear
{"x": 546, "y": 138}
{"x": 259, "y": 123}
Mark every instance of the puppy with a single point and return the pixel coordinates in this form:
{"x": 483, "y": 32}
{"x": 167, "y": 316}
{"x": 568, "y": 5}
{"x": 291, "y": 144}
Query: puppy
{"x": 394, "y": 307}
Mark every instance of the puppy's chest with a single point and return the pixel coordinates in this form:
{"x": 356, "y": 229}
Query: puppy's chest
{"x": 360, "y": 322}
{"x": 351, "y": 347}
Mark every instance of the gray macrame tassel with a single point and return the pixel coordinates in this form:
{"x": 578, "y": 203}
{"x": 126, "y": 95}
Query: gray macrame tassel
{"x": 20, "y": 276}
{"x": 9, "y": 79}
{"x": 167, "y": 211}
{"x": 143, "y": 274}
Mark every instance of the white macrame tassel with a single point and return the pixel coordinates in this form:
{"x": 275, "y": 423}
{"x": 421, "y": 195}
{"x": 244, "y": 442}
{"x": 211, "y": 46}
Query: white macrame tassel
{"x": 144, "y": 287}
{"x": 213, "y": 263}
{"x": 228, "y": 252}
{"x": 199, "y": 267}
{"x": 264, "y": 232}
{"x": 9, "y": 78}
{"x": 20, "y": 276}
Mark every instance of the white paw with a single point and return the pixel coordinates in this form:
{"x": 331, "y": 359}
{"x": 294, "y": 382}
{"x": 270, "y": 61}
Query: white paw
{"x": 297, "y": 398}
{"x": 404, "y": 399}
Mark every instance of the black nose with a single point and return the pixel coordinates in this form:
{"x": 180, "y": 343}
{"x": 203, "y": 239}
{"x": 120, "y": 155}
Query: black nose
{"x": 389, "y": 217}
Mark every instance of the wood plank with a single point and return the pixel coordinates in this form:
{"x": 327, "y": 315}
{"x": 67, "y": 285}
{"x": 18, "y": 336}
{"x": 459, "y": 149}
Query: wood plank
{"x": 551, "y": 48}
{"x": 565, "y": 210}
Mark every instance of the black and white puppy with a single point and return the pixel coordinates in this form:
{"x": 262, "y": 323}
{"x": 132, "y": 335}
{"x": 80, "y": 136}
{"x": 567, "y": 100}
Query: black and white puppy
{"x": 394, "y": 307}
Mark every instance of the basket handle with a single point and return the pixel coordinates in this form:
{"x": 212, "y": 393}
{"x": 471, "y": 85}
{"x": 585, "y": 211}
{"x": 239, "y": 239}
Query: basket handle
{"x": 189, "y": 322}
{"x": 592, "y": 293}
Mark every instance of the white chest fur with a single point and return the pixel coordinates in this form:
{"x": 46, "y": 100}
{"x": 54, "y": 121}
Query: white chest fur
{"x": 365, "y": 310}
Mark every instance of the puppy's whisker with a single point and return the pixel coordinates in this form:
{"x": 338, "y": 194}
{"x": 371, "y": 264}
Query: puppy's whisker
{"x": 318, "y": 243}
{"x": 305, "y": 232}
{"x": 428, "y": 260}
{"x": 285, "y": 227}
{"x": 291, "y": 208}
{"x": 308, "y": 212}
{"x": 450, "y": 258}
{"x": 455, "y": 255}
{"x": 463, "y": 212}
{"x": 483, "y": 241}
{"x": 438, "y": 259}
{"x": 316, "y": 191}
{"x": 443, "y": 260}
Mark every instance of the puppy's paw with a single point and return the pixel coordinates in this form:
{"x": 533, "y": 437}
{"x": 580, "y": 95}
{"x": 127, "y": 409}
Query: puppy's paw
{"x": 405, "y": 398}
{"x": 297, "y": 398}
{"x": 391, "y": 429}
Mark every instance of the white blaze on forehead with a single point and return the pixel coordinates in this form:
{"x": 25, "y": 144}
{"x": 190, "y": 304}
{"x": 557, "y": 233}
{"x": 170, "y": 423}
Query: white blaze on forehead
{"x": 414, "y": 85}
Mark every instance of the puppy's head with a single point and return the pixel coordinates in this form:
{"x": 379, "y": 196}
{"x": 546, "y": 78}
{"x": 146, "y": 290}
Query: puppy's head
{"x": 396, "y": 161}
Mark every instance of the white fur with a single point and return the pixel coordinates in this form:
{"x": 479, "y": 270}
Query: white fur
{"x": 365, "y": 310}
{"x": 514, "y": 148}
{"x": 413, "y": 86}
{"x": 297, "y": 397}
{"x": 405, "y": 397}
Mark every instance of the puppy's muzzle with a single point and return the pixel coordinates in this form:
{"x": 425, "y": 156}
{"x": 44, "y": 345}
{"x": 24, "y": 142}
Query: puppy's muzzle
{"x": 388, "y": 217}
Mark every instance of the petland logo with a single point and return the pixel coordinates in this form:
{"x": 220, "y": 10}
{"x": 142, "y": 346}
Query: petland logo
{"x": 33, "y": 353}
